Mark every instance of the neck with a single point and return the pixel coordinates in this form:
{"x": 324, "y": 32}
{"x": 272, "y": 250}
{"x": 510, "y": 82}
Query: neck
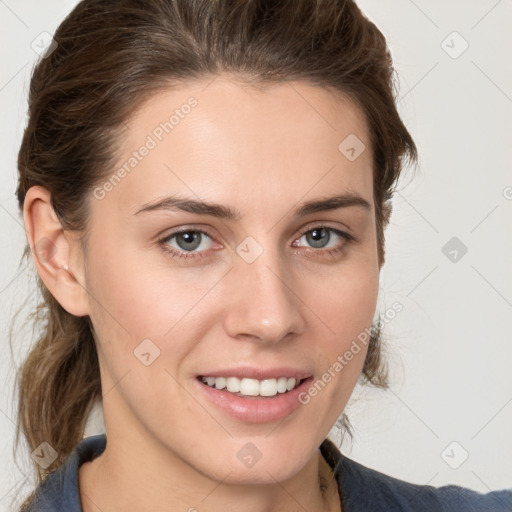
{"x": 117, "y": 480}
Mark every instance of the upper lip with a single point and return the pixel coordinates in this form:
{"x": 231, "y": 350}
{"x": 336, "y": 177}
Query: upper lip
{"x": 251, "y": 372}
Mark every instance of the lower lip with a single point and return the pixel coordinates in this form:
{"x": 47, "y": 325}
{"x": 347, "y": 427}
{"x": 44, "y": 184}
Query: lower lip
{"x": 255, "y": 409}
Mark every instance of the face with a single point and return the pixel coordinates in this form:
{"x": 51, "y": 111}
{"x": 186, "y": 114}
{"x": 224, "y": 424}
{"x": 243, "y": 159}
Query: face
{"x": 183, "y": 296}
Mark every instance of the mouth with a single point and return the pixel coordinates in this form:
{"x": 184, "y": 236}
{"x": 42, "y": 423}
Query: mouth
{"x": 251, "y": 400}
{"x": 252, "y": 388}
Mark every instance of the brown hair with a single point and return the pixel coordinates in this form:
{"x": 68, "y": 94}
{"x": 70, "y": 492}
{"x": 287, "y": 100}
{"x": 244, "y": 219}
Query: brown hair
{"x": 111, "y": 56}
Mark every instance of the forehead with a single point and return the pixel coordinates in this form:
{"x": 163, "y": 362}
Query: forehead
{"x": 230, "y": 142}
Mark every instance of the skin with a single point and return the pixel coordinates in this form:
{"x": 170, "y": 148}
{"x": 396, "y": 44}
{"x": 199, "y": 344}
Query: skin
{"x": 262, "y": 152}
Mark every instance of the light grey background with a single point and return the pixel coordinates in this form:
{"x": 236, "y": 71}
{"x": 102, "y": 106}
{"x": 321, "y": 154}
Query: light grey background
{"x": 450, "y": 349}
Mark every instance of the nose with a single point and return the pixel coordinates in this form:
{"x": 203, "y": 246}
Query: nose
{"x": 263, "y": 306}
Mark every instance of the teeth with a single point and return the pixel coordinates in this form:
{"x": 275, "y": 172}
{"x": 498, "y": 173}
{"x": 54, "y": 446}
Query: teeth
{"x": 281, "y": 385}
{"x": 232, "y": 384}
{"x": 252, "y": 387}
{"x": 220, "y": 382}
{"x": 268, "y": 387}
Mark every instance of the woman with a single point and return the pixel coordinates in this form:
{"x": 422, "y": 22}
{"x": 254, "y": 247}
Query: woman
{"x": 205, "y": 187}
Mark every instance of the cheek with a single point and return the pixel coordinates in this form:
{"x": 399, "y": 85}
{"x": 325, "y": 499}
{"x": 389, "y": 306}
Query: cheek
{"x": 149, "y": 318}
{"x": 345, "y": 301}
{"x": 346, "y": 307}
{"x": 135, "y": 296}
{"x": 137, "y": 313}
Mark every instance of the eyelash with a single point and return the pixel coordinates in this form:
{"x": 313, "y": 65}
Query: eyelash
{"x": 332, "y": 252}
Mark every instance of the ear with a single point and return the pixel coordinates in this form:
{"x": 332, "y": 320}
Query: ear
{"x": 57, "y": 253}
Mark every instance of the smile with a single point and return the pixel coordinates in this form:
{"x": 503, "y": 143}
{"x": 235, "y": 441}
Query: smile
{"x": 253, "y": 400}
{"x": 252, "y": 387}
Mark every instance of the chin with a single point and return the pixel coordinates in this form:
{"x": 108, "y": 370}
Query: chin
{"x": 258, "y": 459}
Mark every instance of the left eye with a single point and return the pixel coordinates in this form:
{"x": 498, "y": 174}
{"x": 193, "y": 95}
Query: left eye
{"x": 320, "y": 235}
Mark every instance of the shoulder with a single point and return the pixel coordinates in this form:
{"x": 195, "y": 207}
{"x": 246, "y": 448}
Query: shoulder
{"x": 363, "y": 489}
{"x": 373, "y": 490}
{"x": 58, "y": 492}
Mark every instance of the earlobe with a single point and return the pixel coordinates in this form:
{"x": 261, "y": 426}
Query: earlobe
{"x": 51, "y": 248}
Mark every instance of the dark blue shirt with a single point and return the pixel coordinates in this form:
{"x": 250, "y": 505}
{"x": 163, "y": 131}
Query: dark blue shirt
{"x": 361, "y": 489}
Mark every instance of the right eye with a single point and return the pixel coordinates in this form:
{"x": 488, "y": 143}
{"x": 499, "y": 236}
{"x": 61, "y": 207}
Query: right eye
{"x": 187, "y": 241}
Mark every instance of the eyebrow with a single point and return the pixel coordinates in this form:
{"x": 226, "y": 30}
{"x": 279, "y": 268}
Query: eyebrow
{"x": 224, "y": 212}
